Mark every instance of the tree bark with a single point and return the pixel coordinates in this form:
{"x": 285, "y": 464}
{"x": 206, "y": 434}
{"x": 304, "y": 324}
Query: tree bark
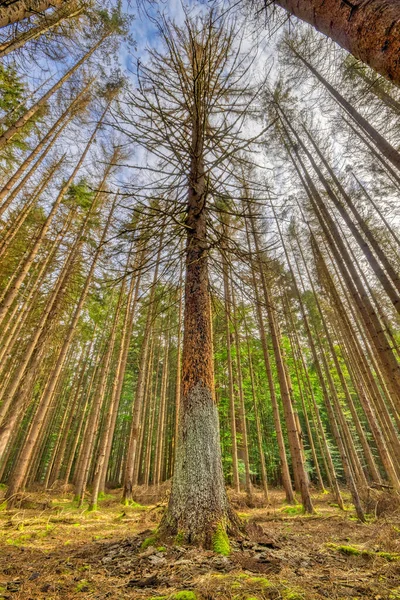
{"x": 19, "y": 10}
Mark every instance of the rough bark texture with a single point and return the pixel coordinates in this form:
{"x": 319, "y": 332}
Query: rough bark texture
{"x": 369, "y": 29}
{"x": 198, "y": 499}
{"x": 12, "y": 12}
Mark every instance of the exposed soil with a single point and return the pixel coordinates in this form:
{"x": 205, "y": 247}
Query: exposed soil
{"x": 50, "y": 549}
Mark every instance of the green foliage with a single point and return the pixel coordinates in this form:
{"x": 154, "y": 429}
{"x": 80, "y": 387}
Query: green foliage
{"x": 12, "y": 91}
{"x": 220, "y": 541}
{"x": 79, "y": 195}
{"x": 292, "y": 595}
{"x": 113, "y": 21}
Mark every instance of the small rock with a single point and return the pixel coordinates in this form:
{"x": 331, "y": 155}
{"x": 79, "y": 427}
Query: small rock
{"x": 151, "y": 581}
{"x": 183, "y": 561}
{"x": 106, "y": 559}
{"x": 148, "y": 552}
{"x": 157, "y": 560}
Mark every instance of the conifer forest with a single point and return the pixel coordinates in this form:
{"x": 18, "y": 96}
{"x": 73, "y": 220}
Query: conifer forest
{"x": 200, "y": 299}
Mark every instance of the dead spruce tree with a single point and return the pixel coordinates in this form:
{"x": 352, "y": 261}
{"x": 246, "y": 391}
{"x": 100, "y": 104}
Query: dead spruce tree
{"x": 187, "y": 111}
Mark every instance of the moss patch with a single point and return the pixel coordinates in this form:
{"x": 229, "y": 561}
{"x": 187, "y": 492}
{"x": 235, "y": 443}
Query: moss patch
{"x": 183, "y": 595}
{"x": 353, "y": 551}
{"x": 220, "y": 541}
{"x": 297, "y": 509}
{"x": 150, "y": 541}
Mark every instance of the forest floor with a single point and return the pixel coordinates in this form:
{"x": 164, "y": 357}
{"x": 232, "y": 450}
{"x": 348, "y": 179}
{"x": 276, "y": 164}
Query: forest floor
{"x": 50, "y": 549}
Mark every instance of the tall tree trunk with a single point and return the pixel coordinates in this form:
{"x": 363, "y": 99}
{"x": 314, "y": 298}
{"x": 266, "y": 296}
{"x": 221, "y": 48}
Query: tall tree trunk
{"x": 242, "y": 408}
{"x": 178, "y": 361}
{"x": 264, "y": 479}
{"x": 198, "y": 505}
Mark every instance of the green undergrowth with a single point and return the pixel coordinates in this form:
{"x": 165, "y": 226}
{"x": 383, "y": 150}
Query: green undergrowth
{"x": 354, "y": 551}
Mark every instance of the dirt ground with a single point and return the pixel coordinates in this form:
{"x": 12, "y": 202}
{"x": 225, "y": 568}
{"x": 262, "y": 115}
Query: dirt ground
{"x": 50, "y": 549}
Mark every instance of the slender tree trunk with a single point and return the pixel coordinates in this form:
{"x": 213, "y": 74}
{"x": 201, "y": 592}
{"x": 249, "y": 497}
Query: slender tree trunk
{"x": 178, "y": 361}
{"x": 287, "y": 484}
{"x": 140, "y": 385}
{"x": 161, "y": 415}
{"x": 94, "y": 418}
{"x": 296, "y": 451}
{"x": 264, "y": 479}
{"x": 242, "y": 408}
{"x": 232, "y": 409}
{"x": 121, "y": 368}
